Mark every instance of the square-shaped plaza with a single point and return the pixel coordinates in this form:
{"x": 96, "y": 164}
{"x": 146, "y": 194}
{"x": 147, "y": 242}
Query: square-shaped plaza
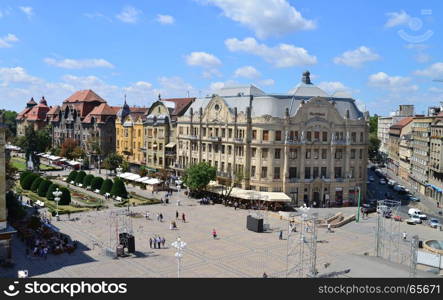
{"x": 236, "y": 252}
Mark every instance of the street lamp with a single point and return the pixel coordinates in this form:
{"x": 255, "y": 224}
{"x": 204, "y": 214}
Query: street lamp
{"x": 57, "y": 195}
{"x": 180, "y": 246}
{"x": 358, "y": 204}
{"x": 119, "y": 170}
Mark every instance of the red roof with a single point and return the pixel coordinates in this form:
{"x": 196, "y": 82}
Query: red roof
{"x": 23, "y": 113}
{"x": 84, "y": 96}
{"x": 403, "y": 122}
{"x": 103, "y": 110}
{"x": 38, "y": 113}
{"x": 31, "y": 102}
{"x": 54, "y": 110}
{"x": 181, "y": 104}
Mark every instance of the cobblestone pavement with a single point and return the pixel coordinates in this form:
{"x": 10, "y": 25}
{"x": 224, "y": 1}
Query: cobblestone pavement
{"x": 236, "y": 253}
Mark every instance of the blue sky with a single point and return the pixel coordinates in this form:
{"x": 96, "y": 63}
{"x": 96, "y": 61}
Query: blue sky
{"x": 383, "y": 54}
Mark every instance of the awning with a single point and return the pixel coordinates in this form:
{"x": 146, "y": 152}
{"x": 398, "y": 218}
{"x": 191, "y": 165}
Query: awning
{"x": 435, "y": 188}
{"x": 74, "y": 163}
{"x": 152, "y": 181}
{"x": 142, "y": 179}
{"x": 251, "y": 195}
{"x": 170, "y": 145}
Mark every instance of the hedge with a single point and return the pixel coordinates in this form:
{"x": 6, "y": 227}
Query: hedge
{"x": 43, "y": 187}
{"x": 72, "y": 176}
{"x": 28, "y": 180}
{"x": 96, "y": 183}
{"x": 36, "y": 184}
{"x": 51, "y": 190}
{"x": 65, "y": 198}
{"x": 119, "y": 189}
{"x": 87, "y": 180}
{"x": 23, "y": 175}
{"x": 106, "y": 186}
{"x": 80, "y": 176}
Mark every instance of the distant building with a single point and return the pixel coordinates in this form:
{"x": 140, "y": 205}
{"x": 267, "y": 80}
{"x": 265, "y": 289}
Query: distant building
{"x": 129, "y": 134}
{"x": 86, "y": 118}
{"x": 33, "y": 115}
{"x": 435, "y": 185}
{"x": 397, "y": 133}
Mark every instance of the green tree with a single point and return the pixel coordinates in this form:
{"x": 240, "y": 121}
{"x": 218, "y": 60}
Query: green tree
{"x": 119, "y": 189}
{"x": 88, "y": 180}
{"x": 198, "y": 176}
{"x": 51, "y": 190}
{"x": 374, "y": 146}
{"x": 43, "y": 187}
{"x": 68, "y": 148}
{"x": 80, "y": 176}
{"x": 72, "y": 176}
{"x": 96, "y": 183}
{"x": 237, "y": 180}
{"x": 15, "y": 210}
{"x": 373, "y": 124}
{"x": 36, "y": 184}
{"x": 9, "y": 120}
{"x": 28, "y": 180}
{"x": 106, "y": 186}
{"x": 113, "y": 161}
{"x": 65, "y": 198}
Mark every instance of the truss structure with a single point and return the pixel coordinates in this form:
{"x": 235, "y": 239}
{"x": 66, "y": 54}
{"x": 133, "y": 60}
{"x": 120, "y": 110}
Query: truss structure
{"x": 120, "y": 222}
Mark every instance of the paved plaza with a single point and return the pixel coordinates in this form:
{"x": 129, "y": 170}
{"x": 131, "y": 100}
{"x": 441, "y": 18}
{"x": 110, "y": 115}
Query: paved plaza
{"x": 236, "y": 253}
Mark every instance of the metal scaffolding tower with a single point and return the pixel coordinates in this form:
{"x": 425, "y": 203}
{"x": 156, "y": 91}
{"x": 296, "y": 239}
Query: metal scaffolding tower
{"x": 119, "y": 222}
{"x": 388, "y": 235}
{"x": 301, "y": 257}
{"x": 413, "y": 262}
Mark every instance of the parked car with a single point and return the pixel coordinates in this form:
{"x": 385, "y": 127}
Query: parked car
{"x": 415, "y": 212}
{"x": 397, "y": 187}
{"x": 413, "y": 220}
{"x": 413, "y": 198}
{"x": 371, "y": 178}
{"x": 389, "y": 196}
{"x": 391, "y": 183}
{"x": 367, "y": 208}
{"x": 434, "y": 223}
{"x": 382, "y": 181}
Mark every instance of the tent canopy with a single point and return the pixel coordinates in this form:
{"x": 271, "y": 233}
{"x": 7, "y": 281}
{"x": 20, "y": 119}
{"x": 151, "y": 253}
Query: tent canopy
{"x": 251, "y": 195}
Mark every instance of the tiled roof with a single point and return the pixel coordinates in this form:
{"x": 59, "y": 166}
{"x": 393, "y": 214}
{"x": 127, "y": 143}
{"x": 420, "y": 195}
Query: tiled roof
{"x": 37, "y": 113}
{"x": 54, "y": 110}
{"x": 23, "y": 113}
{"x": 103, "y": 110}
{"x": 31, "y": 102}
{"x": 84, "y": 96}
{"x": 402, "y": 123}
{"x": 181, "y": 104}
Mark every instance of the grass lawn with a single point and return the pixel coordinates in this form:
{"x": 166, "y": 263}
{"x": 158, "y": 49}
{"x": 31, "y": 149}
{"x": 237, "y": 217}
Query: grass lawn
{"x": 20, "y": 164}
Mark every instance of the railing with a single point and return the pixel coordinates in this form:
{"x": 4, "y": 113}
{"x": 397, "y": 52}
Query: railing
{"x": 224, "y": 174}
{"x": 192, "y": 137}
{"x": 170, "y": 153}
{"x": 339, "y": 142}
{"x": 214, "y": 138}
{"x": 238, "y": 140}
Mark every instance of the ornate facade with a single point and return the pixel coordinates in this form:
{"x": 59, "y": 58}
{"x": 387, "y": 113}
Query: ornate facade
{"x": 86, "y": 118}
{"x": 160, "y": 131}
{"x": 309, "y": 145}
{"x": 33, "y": 115}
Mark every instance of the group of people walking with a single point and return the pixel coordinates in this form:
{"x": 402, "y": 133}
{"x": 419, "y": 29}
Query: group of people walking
{"x": 157, "y": 242}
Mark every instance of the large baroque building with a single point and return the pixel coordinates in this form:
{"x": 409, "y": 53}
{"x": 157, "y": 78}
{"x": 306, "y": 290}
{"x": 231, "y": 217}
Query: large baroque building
{"x": 86, "y": 118}
{"x": 309, "y": 145}
{"x": 397, "y": 133}
{"x": 160, "y": 132}
{"x": 129, "y": 134}
{"x": 33, "y": 115}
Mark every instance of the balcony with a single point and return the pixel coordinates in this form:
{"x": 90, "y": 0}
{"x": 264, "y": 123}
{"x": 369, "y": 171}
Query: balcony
{"x": 294, "y": 142}
{"x": 192, "y": 137}
{"x": 238, "y": 140}
{"x": 179, "y": 166}
{"x": 214, "y": 138}
{"x": 224, "y": 174}
{"x": 170, "y": 153}
{"x": 339, "y": 142}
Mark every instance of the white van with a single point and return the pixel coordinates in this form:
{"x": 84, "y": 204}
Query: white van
{"x": 415, "y": 212}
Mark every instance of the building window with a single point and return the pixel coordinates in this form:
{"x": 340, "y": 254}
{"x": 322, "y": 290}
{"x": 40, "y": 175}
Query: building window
{"x": 308, "y": 153}
{"x": 264, "y": 172}
{"x": 223, "y": 149}
{"x": 292, "y": 153}
{"x": 292, "y": 172}
{"x": 252, "y": 171}
{"x": 254, "y": 134}
{"x": 317, "y": 136}
{"x": 277, "y": 173}
{"x": 316, "y": 153}
{"x": 253, "y": 152}
{"x": 337, "y": 172}
{"x": 277, "y": 153}
{"x": 223, "y": 132}
{"x": 360, "y": 156}
{"x": 307, "y": 172}
{"x": 315, "y": 172}
{"x": 308, "y": 136}
{"x": 323, "y": 172}
{"x": 338, "y": 154}
{"x": 278, "y": 135}
{"x": 230, "y": 132}
{"x": 229, "y": 150}
{"x": 324, "y": 136}
{"x": 354, "y": 137}
{"x": 264, "y": 153}
{"x": 263, "y": 189}
{"x": 352, "y": 153}
{"x": 265, "y": 136}
{"x": 361, "y": 137}
{"x": 324, "y": 153}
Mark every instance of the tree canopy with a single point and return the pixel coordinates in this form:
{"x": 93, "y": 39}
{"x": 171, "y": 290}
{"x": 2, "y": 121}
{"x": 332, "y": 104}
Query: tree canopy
{"x": 35, "y": 142}
{"x": 198, "y": 176}
{"x": 113, "y": 161}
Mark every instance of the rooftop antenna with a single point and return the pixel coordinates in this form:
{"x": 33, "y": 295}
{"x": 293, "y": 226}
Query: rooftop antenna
{"x": 125, "y": 98}
{"x": 187, "y": 93}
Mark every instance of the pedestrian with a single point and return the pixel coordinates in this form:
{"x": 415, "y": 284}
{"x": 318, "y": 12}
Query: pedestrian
{"x": 161, "y": 217}
{"x": 280, "y": 235}
{"x": 159, "y": 242}
{"x": 329, "y": 227}
{"x": 265, "y": 275}
{"x": 150, "y": 243}
{"x": 178, "y": 202}
{"x": 235, "y": 208}
{"x": 183, "y": 218}
{"x": 405, "y": 235}
{"x": 214, "y": 233}
{"x": 176, "y": 214}
{"x": 171, "y": 226}
{"x": 163, "y": 242}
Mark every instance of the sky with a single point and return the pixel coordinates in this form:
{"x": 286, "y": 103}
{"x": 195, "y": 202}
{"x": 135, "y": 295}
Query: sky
{"x": 382, "y": 53}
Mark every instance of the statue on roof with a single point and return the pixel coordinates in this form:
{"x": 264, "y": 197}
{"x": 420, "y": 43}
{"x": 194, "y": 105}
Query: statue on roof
{"x": 306, "y": 79}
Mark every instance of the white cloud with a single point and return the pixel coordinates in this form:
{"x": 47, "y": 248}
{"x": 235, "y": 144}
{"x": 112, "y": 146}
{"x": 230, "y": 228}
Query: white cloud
{"x": 215, "y": 86}
{"x": 247, "y": 72}
{"x": 435, "y": 70}
{"x": 27, "y": 10}
{"x": 356, "y": 58}
{"x": 265, "y": 17}
{"x": 281, "y": 56}
{"x": 267, "y": 82}
{"x": 69, "y": 63}
{"x": 174, "y": 86}
{"x": 337, "y": 88}
{"x": 97, "y": 15}
{"x": 202, "y": 59}
{"x": 210, "y": 73}
{"x": 165, "y": 19}
{"x": 6, "y": 41}
{"x": 392, "y": 83}
{"x": 397, "y": 19}
{"x": 16, "y": 75}
{"x": 129, "y": 14}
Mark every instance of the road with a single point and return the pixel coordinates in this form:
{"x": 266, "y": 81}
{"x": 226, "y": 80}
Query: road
{"x": 379, "y": 191}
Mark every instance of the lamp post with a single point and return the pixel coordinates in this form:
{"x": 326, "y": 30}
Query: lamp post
{"x": 180, "y": 246}
{"x": 57, "y": 195}
{"x": 358, "y": 205}
{"x": 119, "y": 170}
